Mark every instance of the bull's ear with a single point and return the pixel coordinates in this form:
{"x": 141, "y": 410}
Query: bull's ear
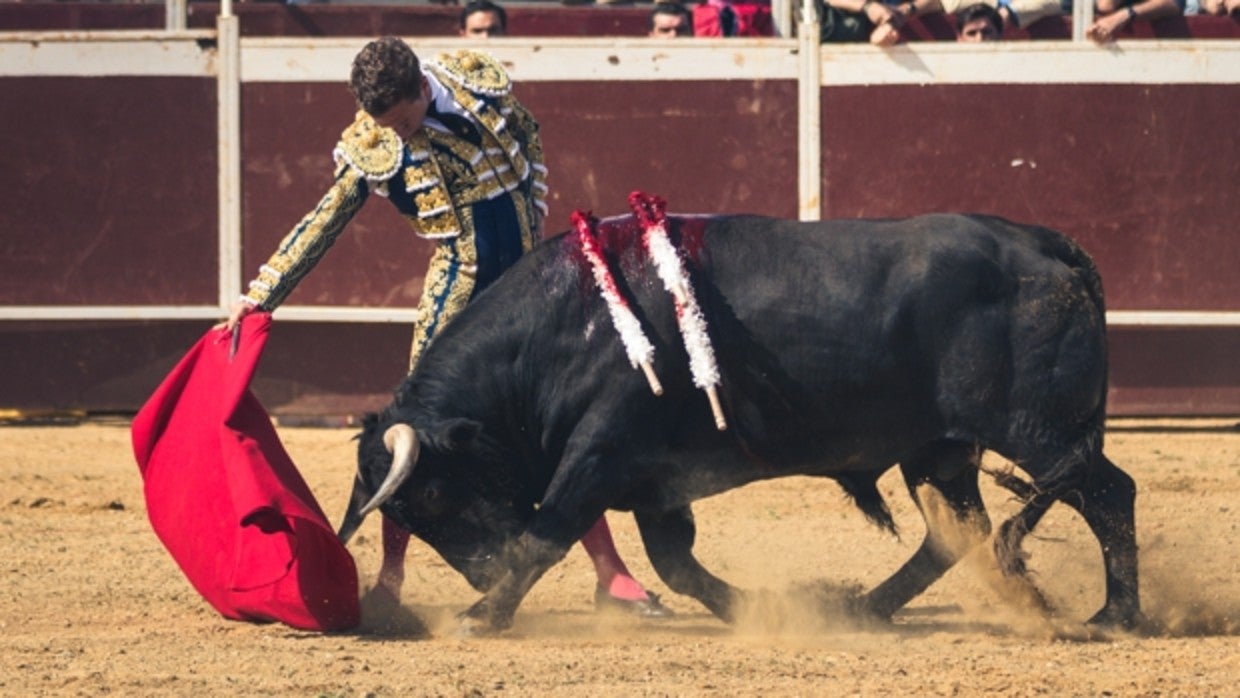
{"x": 453, "y": 435}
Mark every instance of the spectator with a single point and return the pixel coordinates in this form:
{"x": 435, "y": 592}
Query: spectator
{"x": 1213, "y": 7}
{"x": 426, "y": 139}
{"x": 977, "y": 23}
{"x": 733, "y": 18}
{"x": 669, "y": 20}
{"x": 481, "y": 19}
{"x": 867, "y": 20}
{"x": 1013, "y": 13}
{"x": 1113, "y": 15}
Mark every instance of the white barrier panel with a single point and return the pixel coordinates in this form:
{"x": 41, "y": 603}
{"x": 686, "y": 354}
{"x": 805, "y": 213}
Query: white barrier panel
{"x": 104, "y": 54}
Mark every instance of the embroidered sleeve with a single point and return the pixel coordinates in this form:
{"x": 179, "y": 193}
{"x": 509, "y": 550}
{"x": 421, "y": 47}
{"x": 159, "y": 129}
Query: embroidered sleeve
{"x": 305, "y": 245}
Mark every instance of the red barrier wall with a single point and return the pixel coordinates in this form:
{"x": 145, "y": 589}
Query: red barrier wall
{"x": 1141, "y": 175}
{"x": 110, "y": 194}
{"x": 112, "y": 201}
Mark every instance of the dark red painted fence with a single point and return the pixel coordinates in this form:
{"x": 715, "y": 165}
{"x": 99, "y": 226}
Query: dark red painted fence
{"x": 112, "y": 202}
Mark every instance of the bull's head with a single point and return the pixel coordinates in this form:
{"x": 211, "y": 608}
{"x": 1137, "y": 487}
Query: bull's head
{"x": 429, "y": 482}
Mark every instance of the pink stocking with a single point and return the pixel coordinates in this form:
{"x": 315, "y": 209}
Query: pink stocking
{"x": 392, "y": 573}
{"x": 612, "y": 574}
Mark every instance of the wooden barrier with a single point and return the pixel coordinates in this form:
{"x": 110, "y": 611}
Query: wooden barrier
{"x": 113, "y": 262}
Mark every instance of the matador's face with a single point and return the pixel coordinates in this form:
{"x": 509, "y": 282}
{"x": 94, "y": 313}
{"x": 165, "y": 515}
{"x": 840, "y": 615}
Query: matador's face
{"x": 406, "y": 116}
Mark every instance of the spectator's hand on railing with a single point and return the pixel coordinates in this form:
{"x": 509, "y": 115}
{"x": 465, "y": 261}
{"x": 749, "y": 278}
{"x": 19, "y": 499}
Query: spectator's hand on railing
{"x": 887, "y": 21}
{"x": 1104, "y": 28}
{"x": 880, "y": 13}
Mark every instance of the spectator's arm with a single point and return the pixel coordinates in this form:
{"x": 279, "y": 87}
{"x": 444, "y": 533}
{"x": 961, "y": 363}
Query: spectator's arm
{"x": 1103, "y": 29}
{"x": 876, "y": 11}
{"x": 1157, "y": 9}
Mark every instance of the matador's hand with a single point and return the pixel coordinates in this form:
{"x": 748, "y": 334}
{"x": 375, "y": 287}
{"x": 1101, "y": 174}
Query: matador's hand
{"x": 239, "y": 310}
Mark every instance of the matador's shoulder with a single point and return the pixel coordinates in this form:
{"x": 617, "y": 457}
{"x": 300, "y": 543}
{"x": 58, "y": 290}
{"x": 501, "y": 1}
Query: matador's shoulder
{"x": 478, "y": 72}
{"x": 372, "y": 150}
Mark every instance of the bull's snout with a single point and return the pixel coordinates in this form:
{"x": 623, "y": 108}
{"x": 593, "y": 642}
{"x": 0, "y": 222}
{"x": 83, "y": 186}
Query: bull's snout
{"x": 482, "y": 571}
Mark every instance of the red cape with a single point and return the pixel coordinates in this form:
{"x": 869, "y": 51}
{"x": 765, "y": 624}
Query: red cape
{"x": 227, "y": 502}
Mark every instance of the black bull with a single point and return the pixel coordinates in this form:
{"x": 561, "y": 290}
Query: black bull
{"x": 843, "y": 347}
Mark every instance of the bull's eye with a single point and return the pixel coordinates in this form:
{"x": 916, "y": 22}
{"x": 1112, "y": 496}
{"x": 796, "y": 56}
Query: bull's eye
{"x": 432, "y": 499}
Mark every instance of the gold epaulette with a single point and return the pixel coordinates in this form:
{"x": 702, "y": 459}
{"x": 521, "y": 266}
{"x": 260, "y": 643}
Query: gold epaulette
{"x": 372, "y": 150}
{"x": 478, "y": 72}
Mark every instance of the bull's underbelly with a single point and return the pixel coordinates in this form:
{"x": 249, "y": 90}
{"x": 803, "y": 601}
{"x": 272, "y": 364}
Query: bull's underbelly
{"x": 690, "y": 474}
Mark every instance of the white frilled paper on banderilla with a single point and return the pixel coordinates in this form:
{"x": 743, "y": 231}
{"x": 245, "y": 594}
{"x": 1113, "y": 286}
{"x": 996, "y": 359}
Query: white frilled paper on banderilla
{"x": 639, "y": 349}
{"x": 651, "y": 214}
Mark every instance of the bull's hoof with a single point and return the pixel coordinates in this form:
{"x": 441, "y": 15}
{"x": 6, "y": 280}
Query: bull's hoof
{"x": 869, "y": 611}
{"x": 1130, "y": 620}
{"x": 650, "y": 608}
{"x": 382, "y": 614}
{"x": 479, "y": 621}
{"x": 473, "y": 627}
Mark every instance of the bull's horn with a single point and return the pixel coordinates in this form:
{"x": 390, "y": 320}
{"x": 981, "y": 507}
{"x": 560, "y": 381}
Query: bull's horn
{"x": 402, "y": 443}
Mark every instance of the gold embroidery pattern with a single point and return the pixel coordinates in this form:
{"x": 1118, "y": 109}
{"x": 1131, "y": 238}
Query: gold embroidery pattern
{"x": 477, "y": 71}
{"x": 450, "y": 279}
{"x": 425, "y": 180}
{"x": 419, "y": 176}
{"x": 374, "y": 151}
{"x": 525, "y": 218}
{"x": 526, "y": 128}
{"x": 457, "y": 160}
{"x": 485, "y": 108}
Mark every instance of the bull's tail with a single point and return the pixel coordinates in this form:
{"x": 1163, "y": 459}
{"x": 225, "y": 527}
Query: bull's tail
{"x": 862, "y": 488}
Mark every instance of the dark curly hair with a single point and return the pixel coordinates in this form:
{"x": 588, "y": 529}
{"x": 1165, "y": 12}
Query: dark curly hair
{"x": 385, "y": 72}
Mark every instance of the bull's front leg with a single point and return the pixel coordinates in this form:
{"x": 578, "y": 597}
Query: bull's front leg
{"x": 668, "y": 537}
{"x": 528, "y": 559}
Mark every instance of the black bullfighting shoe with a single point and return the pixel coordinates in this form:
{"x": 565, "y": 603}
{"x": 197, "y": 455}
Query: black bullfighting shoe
{"x": 649, "y": 607}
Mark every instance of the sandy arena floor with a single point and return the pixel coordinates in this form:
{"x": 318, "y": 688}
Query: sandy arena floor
{"x": 91, "y": 603}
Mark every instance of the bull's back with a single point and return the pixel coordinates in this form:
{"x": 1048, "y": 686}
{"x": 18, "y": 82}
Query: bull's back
{"x": 928, "y": 322}
{"x": 843, "y": 277}
{"x": 868, "y": 285}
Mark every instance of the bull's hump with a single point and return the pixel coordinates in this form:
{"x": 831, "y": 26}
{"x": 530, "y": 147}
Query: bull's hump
{"x": 621, "y": 236}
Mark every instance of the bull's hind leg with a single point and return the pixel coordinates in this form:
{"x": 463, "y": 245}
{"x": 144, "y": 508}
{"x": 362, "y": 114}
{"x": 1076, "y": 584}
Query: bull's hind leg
{"x": 1104, "y": 495}
{"x": 668, "y": 537}
{"x": 1107, "y": 503}
{"x": 949, "y": 469}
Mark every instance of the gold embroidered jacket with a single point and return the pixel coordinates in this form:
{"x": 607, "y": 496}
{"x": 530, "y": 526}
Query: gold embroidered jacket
{"x": 432, "y": 180}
